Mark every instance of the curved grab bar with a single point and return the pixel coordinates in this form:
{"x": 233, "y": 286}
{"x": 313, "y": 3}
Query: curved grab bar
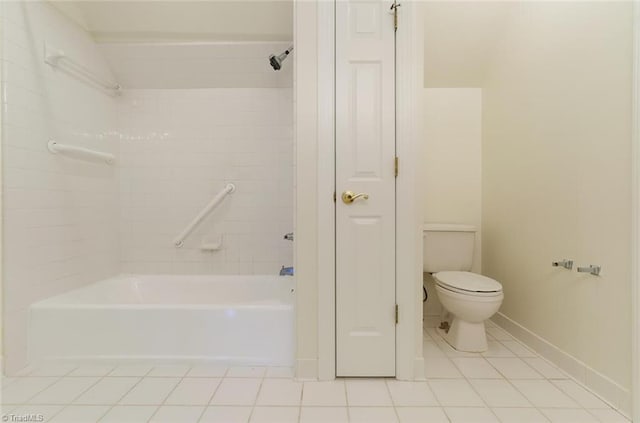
{"x": 179, "y": 240}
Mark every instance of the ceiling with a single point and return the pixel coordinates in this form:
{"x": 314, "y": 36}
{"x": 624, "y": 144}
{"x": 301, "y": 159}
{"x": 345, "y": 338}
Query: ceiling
{"x": 182, "y": 20}
{"x": 459, "y": 35}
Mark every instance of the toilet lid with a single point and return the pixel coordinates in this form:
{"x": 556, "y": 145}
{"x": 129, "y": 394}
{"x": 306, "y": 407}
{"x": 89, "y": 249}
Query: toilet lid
{"x": 468, "y": 281}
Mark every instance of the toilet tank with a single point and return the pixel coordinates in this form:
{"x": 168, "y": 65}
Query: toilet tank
{"x": 447, "y": 247}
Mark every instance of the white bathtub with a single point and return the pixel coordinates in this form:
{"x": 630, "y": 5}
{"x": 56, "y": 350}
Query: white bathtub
{"x": 232, "y": 320}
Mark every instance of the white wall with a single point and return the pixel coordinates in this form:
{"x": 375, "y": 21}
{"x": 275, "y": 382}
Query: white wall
{"x": 2, "y": 78}
{"x": 179, "y": 148}
{"x": 306, "y": 186}
{"x": 556, "y": 144}
{"x": 451, "y": 168}
{"x": 60, "y": 216}
{"x": 556, "y": 182}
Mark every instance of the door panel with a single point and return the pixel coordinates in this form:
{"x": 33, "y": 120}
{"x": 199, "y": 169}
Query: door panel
{"x": 365, "y": 152}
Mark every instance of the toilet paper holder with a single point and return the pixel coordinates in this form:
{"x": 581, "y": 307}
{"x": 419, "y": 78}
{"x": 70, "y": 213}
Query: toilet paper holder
{"x": 567, "y": 264}
{"x": 591, "y": 269}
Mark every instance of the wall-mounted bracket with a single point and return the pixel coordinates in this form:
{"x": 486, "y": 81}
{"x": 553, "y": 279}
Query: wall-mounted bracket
{"x": 567, "y": 264}
{"x": 591, "y": 269}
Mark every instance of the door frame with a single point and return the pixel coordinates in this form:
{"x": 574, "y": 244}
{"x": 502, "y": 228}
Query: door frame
{"x": 409, "y": 53}
{"x": 635, "y": 220}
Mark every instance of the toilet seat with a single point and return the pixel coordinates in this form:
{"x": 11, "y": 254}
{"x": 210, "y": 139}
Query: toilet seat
{"x": 468, "y": 283}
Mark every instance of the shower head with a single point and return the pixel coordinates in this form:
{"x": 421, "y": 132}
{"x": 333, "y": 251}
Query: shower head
{"x": 276, "y": 61}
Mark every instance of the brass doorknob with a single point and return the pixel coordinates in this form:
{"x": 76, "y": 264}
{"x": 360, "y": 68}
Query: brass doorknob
{"x": 349, "y": 197}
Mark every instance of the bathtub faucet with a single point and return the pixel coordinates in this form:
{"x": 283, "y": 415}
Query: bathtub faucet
{"x": 286, "y": 271}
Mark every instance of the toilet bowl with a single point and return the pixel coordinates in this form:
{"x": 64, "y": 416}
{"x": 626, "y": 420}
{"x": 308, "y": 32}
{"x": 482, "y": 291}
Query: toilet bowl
{"x": 469, "y": 299}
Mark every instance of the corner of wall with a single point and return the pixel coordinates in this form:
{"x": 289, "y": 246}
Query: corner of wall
{"x": 306, "y": 369}
{"x": 611, "y": 392}
{"x": 306, "y": 219}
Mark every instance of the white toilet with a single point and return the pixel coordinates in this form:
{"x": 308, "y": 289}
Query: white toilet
{"x": 468, "y": 298}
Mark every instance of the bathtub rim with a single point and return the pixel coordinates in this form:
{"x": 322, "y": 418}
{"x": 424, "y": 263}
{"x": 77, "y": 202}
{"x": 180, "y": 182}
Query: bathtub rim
{"x": 276, "y": 303}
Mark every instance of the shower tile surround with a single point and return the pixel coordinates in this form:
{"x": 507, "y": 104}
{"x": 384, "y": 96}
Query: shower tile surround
{"x": 60, "y": 215}
{"x": 178, "y": 149}
{"x": 70, "y": 223}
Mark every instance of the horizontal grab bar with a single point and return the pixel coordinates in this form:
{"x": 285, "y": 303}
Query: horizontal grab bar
{"x": 179, "y": 241}
{"x": 80, "y": 152}
{"x": 58, "y": 59}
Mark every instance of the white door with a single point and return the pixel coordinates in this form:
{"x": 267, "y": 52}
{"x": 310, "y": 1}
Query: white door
{"x": 365, "y": 157}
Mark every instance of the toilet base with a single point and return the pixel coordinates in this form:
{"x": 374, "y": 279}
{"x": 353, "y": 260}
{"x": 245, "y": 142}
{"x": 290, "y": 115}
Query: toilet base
{"x": 465, "y": 336}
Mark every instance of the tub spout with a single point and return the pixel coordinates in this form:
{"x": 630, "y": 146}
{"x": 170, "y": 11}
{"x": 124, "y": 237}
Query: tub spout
{"x": 286, "y": 271}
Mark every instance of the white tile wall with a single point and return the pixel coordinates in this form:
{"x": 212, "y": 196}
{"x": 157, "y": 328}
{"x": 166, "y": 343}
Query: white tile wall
{"x": 179, "y": 148}
{"x": 68, "y": 223}
{"x": 191, "y": 65}
{"x": 60, "y": 215}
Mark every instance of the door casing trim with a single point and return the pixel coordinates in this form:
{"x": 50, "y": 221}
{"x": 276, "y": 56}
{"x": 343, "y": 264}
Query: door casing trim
{"x": 635, "y": 220}
{"x": 409, "y": 359}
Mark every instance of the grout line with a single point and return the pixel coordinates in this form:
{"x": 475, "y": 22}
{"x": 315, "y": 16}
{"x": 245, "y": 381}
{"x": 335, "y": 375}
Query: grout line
{"x": 590, "y": 411}
{"x": 510, "y": 382}
{"x": 26, "y": 402}
{"x": 474, "y": 389}
{"x": 262, "y": 378}
{"x": 504, "y": 376}
{"x": 299, "y": 402}
{"x": 213, "y": 394}
{"x": 140, "y": 379}
{"x": 346, "y": 400}
{"x": 395, "y": 410}
{"x": 116, "y": 403}
{"x": 168, "y": 394}
{"x": 255, "y": 400}
{"x": 70, "y": 404}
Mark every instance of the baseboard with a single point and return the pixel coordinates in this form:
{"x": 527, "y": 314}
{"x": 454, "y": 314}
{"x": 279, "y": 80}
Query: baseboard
{"x": 612, "y": 393}
{"x": 418, "y": 368}
{"x": 307, "y": 369}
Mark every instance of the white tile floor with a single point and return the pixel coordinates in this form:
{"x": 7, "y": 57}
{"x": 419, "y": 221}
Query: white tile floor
{"x": 508, "y": 383}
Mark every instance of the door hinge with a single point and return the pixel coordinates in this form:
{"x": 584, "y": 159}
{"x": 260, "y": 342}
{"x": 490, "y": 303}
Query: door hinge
{"x": 395, "y": 167}
{"x": 396, "y": 314}
{"x": 334, "y": 196}
{"x": 394, "y": 7}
